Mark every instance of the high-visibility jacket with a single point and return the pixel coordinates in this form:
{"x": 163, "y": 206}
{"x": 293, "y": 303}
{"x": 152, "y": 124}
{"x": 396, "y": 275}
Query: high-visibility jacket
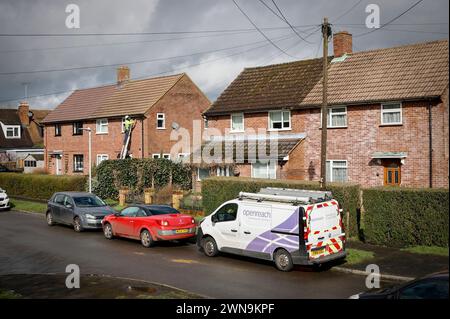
{"x": 129, "y": 124}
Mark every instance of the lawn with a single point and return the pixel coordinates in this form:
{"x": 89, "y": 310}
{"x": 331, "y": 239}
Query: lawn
{"x": 28, "y": 206}
{"x": 356, "y": 256}
{"x": 428, "y": 250}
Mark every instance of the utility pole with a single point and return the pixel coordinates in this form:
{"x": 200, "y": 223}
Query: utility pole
{"x": 326, "y": 32}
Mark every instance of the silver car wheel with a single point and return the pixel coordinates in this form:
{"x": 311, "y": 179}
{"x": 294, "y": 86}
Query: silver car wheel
{"x": 145, "y": 239}
{"x": 49, "y": 219}
{"x": 108, "y": 231}
{"x": 77, "y": 225}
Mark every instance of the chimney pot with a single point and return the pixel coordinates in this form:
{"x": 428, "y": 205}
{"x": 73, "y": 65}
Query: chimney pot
{"x": 123, "y": 75}
{"x": 23, "y": 112}
{"x": 342, "y": 43}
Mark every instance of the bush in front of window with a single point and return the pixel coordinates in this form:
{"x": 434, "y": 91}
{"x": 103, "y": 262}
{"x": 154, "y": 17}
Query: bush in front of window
{"x": 139, "y": 174}
{"x": 217, "y": 190}
{"x": 406, "y": 217}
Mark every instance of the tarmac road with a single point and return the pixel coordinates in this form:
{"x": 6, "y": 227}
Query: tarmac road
{"x": 28, "y": 245}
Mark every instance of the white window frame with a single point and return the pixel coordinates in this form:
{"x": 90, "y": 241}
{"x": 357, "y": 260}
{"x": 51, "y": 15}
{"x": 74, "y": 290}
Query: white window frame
{"x": 392, "y": 111}
{"x": 6, "y": 128}
{"x": 100, "y": 156}
{"x": 26, "y": 163}
{"x": 82, "y": 163}
{"x": 223, "y": 171}
{"x": 100, "y": 124}
{"x": 156, "y": 155}
{"x": 161, "y": 116}
{"x": 166, "y": 156}
{"x": 282, "y": 120}
{"x": 268, "y": 170}
{"x": 331, "y": 168}
{"x": 231, "y": 123}
{"x": 330, "y": 114}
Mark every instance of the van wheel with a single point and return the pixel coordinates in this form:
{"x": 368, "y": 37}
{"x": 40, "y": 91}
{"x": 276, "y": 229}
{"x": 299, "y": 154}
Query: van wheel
{"x": 107, "y": 231}
{"x": 146, "y": 239}
{"x": 210, "y": 247}
{"x": 49, "y": 218}
{"x": 283, "y": 260}
{"x": 77, "y": 225}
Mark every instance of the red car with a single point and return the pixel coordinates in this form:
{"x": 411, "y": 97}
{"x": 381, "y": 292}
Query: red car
{"x": 149, "y": 223}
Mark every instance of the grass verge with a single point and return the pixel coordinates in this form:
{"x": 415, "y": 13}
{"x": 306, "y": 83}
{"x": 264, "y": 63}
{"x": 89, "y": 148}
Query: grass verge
{"x": 356, "y": 256}
{"x": 28, "y": 206}
{"x": 427, "y": 250}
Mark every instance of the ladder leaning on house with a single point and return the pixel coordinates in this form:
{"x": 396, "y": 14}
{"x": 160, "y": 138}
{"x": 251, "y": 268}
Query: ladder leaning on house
{"x": 126, "y": 143}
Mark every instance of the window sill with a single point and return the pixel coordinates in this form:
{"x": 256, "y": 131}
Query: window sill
{"x": 237, "y": 132}
{"x": 391, "y": 124}
{"x": 101, "y": 133}
{"x": 279, "y": 130}
{"x": 160, "y": 128}
{"x": 335, "y": 127}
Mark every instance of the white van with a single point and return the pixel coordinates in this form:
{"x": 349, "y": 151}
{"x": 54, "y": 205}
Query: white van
{"x": 289, "y": 226}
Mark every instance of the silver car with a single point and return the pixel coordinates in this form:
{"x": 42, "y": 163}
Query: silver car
{"x": 78, "y": 209}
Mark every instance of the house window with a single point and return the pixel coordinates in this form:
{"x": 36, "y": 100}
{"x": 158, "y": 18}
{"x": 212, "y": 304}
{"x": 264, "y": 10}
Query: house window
{"x": 102, "y": 126}
{"x": 160, "y": 121}
{"x": 237, "y": 122}
{"x": 280, "y": 120}
{"x": 58, "y": 129}
{"x": 77, "y": 128}
{"x": 78, "y": 163}
{"x": 156, "y": 155}
{"x": 202, "y": 173}
{"x": 264, "y": 170}
{"x": 337, "y": 117}
{"x": 392, "y": 173}
{"x": 337, "y": 171}
{"x": 13, "y": 131}
{"x": 223, "y": 171}
{"x": 101, "y": 158}
{"x": 166, "y": 156}
{"x": 30, "y": 163}
{"x": 391, "y": 114}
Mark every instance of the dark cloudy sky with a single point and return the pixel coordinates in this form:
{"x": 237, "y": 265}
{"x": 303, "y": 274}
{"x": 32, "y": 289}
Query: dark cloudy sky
{"x": 221, "y": 55}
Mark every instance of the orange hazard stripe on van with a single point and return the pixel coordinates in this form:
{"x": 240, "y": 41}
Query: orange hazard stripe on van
{"x": 335, "y": 244}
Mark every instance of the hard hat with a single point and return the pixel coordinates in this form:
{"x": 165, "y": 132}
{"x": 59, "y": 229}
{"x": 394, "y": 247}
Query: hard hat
{"x": 127, "y": 117}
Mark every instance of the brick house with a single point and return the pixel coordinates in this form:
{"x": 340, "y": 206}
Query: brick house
{"x": 159, "y": 105}
{"x": 21, "y": 134}
{"x": 387, "y": 118}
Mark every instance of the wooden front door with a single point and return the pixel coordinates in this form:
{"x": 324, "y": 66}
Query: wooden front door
{"x": 392, "y": 173}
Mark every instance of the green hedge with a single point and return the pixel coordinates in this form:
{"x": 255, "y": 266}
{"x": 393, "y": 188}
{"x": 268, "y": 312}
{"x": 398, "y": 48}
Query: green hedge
{"x": 406, "y": 217}
{"x": 216, "y": 190}
{"x": 138, "y": 174}
{"x": 39, "y": 187}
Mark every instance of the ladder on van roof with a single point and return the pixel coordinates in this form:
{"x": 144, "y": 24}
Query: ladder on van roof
{"x": 285, "y": 195}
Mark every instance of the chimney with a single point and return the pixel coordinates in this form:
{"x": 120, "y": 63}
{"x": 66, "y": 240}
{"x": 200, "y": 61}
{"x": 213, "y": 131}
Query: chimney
{"x": 23, "y": 112}
{"x": 123, "y": 75}
{"x": 342, "y": 43}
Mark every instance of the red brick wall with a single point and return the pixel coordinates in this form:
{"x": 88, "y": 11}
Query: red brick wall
{"x": 182, "y": 104}
{"x": 363, "y": 136}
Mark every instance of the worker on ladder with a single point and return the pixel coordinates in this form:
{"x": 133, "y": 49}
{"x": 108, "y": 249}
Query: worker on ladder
{"x": 129, "y": 125}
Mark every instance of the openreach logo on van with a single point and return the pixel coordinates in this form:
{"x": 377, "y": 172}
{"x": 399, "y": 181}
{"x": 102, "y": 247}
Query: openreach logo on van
{"x": 257, "y": 214}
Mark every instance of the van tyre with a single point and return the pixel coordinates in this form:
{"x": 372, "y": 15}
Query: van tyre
{"x": 49, "y": 218}
{"x": 146, "y": 239}
{"x": 77, "y": 225}
{"x": 283, "y": 260}
{"x": 107, "y": 231}
{"x": 210, "y": 247}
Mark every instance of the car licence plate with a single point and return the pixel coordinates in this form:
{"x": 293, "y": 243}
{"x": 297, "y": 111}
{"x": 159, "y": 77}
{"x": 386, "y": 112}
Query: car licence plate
{"x": 317, "y": 252}
{"x": 181, "y": 231}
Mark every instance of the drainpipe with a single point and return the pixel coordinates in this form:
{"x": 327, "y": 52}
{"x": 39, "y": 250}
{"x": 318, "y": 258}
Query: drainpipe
{"x": 430, "y": 145}
{"x": 142, "y": 138}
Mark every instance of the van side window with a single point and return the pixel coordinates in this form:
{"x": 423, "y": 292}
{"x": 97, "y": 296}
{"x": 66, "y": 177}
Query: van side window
{"x": 227, "y": 213}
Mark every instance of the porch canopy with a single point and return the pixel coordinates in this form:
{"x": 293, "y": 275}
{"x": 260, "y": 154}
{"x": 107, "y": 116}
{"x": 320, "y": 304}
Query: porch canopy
{"x": 389, "y": 155}
{"x": 245, "y": 149}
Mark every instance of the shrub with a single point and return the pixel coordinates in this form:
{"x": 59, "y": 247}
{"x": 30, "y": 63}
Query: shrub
{"x": 138, "y": 174}
{"x": 39, "y": 187}
{"x": 406, "y": 217}
{"x": 216, "y": 190}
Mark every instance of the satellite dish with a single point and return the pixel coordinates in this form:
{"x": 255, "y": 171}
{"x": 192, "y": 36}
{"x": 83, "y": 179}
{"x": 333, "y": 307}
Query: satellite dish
{"x": 175, "y": 126}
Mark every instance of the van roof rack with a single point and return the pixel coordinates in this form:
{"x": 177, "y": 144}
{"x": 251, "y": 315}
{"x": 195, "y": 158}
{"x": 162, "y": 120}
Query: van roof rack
{"x": 276, "y": 198}
{"x": 316, "y": 196}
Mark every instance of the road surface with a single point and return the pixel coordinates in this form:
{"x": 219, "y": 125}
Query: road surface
{"x": 28, "y": 245}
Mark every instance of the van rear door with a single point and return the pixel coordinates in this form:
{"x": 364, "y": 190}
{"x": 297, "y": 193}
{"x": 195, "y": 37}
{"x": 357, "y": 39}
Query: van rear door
{"x": 324, "y": 229}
